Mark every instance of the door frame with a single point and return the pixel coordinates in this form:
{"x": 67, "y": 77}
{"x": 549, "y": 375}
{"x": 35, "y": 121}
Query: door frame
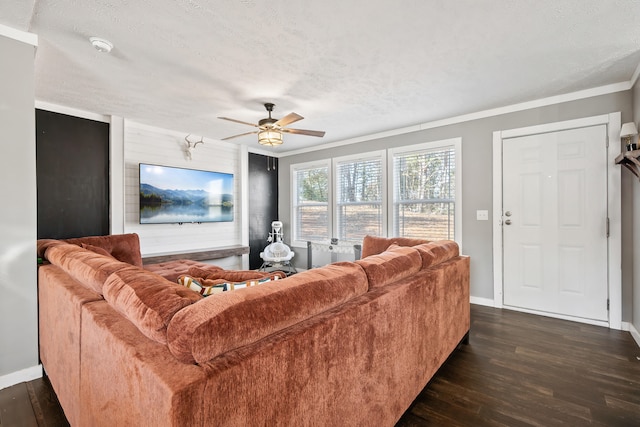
{"x": 614, "y": 208}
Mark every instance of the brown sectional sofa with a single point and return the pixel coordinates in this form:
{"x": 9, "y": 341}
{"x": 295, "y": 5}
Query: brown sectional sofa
{"x": 346, "y": 344}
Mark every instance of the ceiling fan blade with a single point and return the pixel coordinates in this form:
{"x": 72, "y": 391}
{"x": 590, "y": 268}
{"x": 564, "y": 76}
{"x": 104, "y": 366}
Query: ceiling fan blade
{"x": 238, "y": 121}
{"x": 319, "y": 133}
{"x": 288, "y": 119}
{"x": 236, "y": 136}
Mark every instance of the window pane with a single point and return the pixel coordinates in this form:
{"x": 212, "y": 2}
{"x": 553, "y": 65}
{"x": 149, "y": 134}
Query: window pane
{"x": 311, "y": 221}
{"x": 359, "y": 198}
{"x": 424, "y": 194}
{"x": 356, "y": 220}
{"x": 311, "y": 207}
{"x": 430, "y": 221}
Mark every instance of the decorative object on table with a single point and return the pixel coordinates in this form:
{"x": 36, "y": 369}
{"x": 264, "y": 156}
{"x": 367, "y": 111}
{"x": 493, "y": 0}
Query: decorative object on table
{"x": 270, "y": 130}
{"x": 627, "y": 133}
{"x": 277, "y": 255}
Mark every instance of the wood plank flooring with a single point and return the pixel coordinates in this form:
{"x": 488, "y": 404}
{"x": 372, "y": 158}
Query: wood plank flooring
{"x": 518, "y": 370}
{"x": 526, "y": 370}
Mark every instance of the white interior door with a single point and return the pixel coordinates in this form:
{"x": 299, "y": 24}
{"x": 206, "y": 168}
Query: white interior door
{"x": 555, "y": 222}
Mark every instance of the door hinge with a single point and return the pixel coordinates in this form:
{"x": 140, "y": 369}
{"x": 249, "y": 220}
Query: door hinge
{"x": 607, "y": 305}
{"x": 607, "y": 142}
{"x": 607, "y": 227}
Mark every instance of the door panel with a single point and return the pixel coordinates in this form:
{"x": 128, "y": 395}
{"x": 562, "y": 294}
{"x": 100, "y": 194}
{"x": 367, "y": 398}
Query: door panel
{"x": 555, "y": 198}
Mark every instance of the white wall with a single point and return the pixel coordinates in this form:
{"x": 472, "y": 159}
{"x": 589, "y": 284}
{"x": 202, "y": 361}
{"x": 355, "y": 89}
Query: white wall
{"x": 145, "y": 144}
{"x": 18, "y": 219}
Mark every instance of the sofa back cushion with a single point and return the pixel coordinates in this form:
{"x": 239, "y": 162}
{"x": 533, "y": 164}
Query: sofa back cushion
{"x": 229, "y": 320}
{"x": 372, "y": 245}
{"x": 123, "y": 247}
{"x": 148, "y": 300}
{"x": 87, "y": 267}
{"x": 436, "y": 252}
{"x": 396, "y": 263}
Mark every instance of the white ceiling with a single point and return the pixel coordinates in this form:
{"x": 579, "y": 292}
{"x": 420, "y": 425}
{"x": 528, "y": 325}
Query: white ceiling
{"x": 350, "y": 67}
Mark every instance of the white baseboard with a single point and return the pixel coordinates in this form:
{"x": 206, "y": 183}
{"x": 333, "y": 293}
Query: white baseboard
{"x": 482, "y": 301}
{"x": 634, "y": 333}
{"x": 23, "y": 375}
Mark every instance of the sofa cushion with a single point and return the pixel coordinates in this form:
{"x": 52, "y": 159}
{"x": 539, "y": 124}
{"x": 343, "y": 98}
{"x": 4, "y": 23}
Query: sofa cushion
{"x": 149, "y": 301}
{"x": 96, "y": 249}
{"x": 88, "y": 268}
{"x": 436, "y": 252}
{"x": 230, "y": 320}
{"x": 123, "y": 247}
{"x": 372, "y": 245}
{"x": 396, "y": 263}
{"x": 44, "y": 244}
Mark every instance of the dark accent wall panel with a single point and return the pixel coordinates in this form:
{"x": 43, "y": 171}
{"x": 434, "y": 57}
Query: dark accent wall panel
{"x": 72, "y": 163}
{"x": 263, "y": 203}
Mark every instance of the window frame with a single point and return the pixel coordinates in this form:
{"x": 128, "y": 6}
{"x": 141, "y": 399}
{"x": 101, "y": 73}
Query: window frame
{"x": 294, "y": 168}
{"x": 456, "y": 145}
{"x": 353, "y": 158}
{"x": 388, "y": 185}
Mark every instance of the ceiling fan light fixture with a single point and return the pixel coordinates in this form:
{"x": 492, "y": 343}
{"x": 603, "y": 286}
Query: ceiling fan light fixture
{"x": 270, "y": 137}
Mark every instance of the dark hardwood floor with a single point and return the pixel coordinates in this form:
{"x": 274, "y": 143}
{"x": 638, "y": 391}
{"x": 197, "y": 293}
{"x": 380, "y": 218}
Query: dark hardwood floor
{"x": 518, "y": 370}
{"x": 526, "y": 370}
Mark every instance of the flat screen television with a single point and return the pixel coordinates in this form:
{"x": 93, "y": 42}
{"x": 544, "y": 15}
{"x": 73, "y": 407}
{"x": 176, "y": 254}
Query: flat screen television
{"x": 170, "y": 195}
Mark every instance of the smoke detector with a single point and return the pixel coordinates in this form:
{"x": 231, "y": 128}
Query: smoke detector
{"x": 101, "y": 45}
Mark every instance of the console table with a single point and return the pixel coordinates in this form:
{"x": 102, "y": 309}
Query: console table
{"x": 198, "y": 255}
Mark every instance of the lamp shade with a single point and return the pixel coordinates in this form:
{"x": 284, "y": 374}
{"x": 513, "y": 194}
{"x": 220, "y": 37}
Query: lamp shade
{"x": 270, "y": 137}
{"x": 628, "y": 129}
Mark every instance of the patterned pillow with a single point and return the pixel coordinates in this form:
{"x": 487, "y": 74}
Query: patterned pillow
{"x": 207, "y": 287}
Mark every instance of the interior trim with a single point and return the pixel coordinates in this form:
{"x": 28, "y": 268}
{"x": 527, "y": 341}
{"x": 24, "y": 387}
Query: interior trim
{"x": 543, "y": 102}
{"x": 23, "y": 375}
{"x": 614, "y": 206}
{"x": 634, "y": 333}
{"x": 21, "y": 36}
{"x": 69, "y": 111}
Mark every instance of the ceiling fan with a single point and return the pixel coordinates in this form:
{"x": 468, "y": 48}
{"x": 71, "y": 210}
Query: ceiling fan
{"x": 270, "y": 130}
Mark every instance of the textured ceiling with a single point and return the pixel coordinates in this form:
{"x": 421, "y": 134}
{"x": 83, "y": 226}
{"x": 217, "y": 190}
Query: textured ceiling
{"x": 351, "y": 67}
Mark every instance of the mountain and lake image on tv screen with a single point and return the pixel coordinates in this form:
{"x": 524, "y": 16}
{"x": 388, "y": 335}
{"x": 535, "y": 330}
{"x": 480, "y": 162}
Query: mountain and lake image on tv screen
{"x": 176, "y": 195}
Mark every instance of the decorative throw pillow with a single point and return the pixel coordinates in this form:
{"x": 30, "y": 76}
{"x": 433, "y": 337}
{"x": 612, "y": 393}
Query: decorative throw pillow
{"x": 206, "y": 287}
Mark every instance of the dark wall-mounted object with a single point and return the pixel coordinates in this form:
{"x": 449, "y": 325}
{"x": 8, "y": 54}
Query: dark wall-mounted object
{"x": 72, "y": 164}
{"x": 263, "y": 203}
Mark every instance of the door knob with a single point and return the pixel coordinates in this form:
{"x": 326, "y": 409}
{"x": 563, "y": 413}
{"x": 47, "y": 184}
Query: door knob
{"x": 508, "y": 213}
{"x": 508, "y": 222}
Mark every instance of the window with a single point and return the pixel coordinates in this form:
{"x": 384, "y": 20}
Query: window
{"x": 346, "y": 197}
{"x": 310, "y": 195}
{"x": 359, "y": 197}
{"x": 424, "y": 191}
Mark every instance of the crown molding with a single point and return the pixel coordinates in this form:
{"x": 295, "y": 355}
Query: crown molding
{"x": 69, "y": 111}
{"x": 21, "y": 36}
{"x": 543, "y": 102}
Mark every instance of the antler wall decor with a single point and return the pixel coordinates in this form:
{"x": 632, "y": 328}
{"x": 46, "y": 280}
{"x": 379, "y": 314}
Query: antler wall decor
{"x": 189, "y": 145}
